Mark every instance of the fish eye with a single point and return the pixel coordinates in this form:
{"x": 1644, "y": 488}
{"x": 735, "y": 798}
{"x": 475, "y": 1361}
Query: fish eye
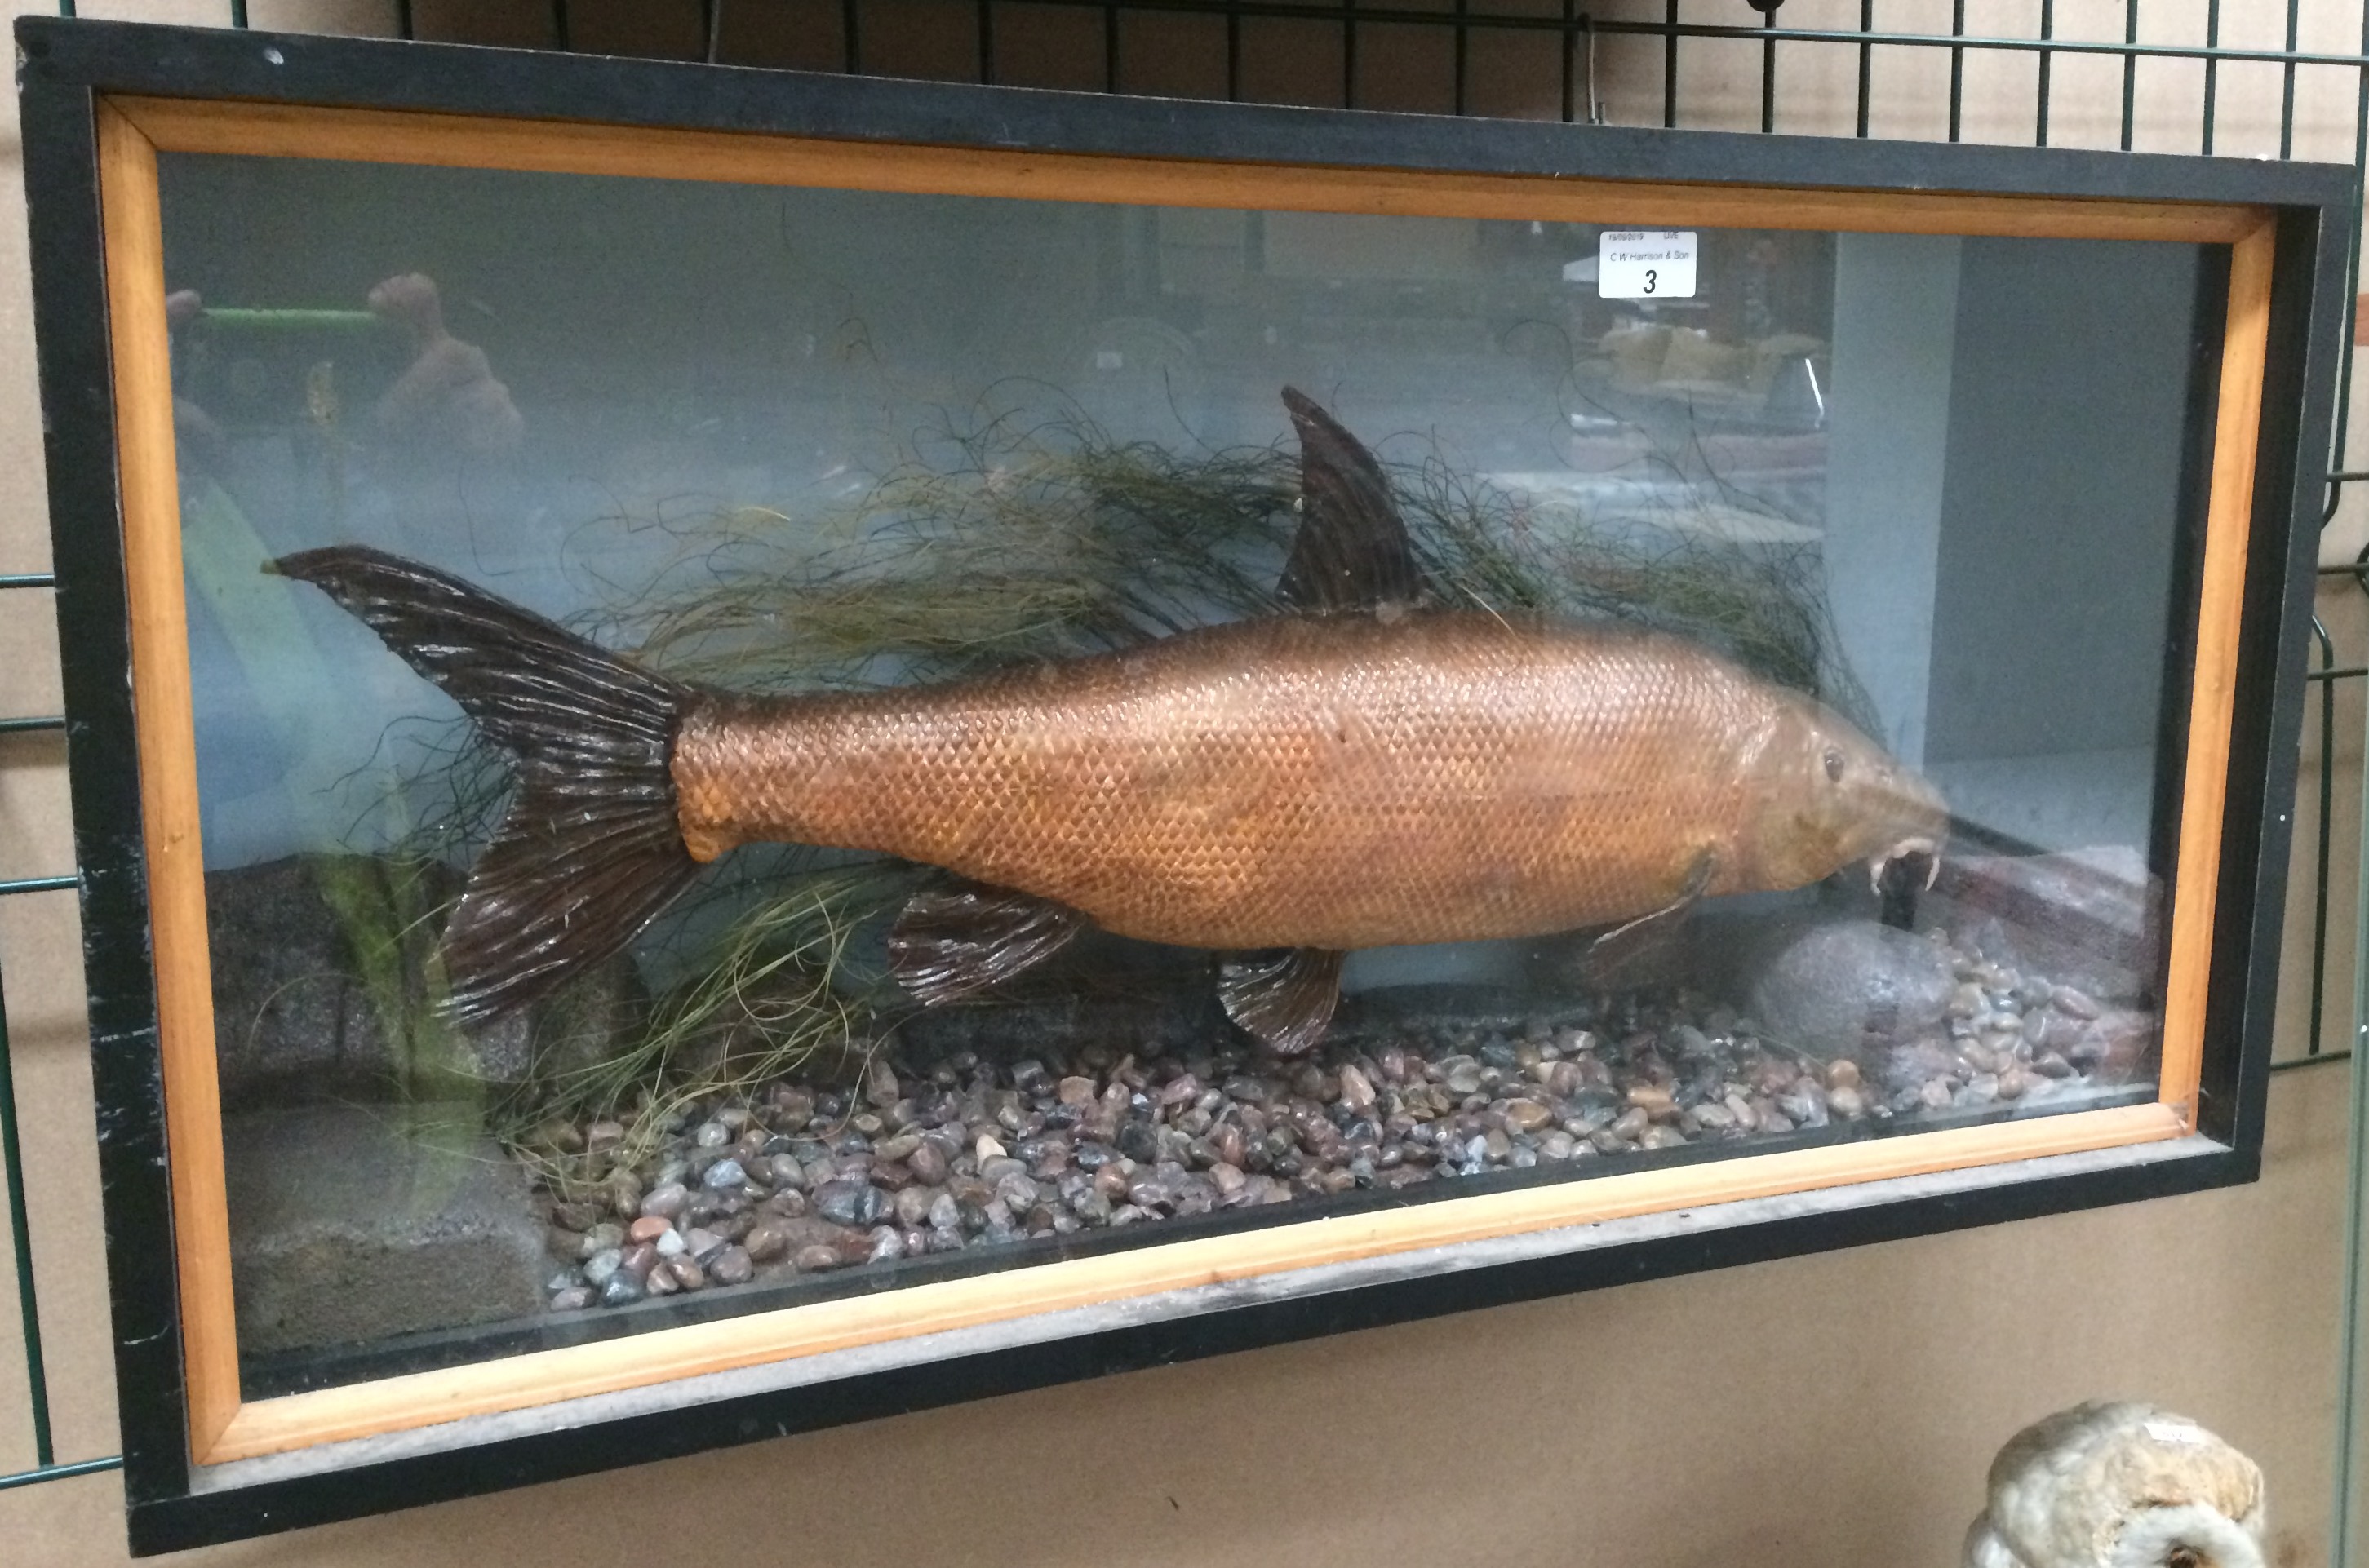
{"x": 1833, "y": 765}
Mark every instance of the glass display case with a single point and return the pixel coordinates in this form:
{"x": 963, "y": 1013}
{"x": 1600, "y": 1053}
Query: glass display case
{"x": 751, "y": 749}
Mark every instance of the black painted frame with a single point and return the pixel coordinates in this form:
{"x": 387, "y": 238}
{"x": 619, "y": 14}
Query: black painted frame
{"x": 65, "y": 67}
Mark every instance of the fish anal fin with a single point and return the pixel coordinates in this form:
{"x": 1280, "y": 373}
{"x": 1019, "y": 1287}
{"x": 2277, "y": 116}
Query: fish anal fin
{"x": 1624, "y": 946}
{"x": 1352, "y": 552}
{"x": 951, "y": 942}
{"x": 1282, "y": 996}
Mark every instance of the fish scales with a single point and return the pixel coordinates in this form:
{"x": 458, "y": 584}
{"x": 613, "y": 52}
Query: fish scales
{"x": 1337, "y": 782}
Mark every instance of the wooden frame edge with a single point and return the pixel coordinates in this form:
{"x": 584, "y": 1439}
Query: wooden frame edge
{"x": 550, "y": 1377}
{"x": 2228, "y": 527}
{"x": 259, "y": 130}
{"x": 164, "y": 726}
{"x": 132, "y": 131}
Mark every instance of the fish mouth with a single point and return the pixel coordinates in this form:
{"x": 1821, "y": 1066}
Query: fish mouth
{"x": 1881, "y": 861}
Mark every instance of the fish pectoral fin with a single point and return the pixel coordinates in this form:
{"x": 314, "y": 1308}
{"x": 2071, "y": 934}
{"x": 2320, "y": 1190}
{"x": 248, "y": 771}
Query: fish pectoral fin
{"x": 1620, "y": 948}
{"x": 950, "y": 942}
{"x": 1352, "y": 552}
{"x": 1284, "y": 997}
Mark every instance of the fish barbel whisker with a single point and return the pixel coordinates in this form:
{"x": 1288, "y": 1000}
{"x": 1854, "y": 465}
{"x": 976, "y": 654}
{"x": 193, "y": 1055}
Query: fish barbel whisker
{"x": 1881, "y": 860}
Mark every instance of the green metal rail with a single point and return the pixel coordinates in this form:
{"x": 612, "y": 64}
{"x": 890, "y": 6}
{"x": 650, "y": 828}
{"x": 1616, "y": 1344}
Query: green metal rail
{"x": 1572, "y": 35}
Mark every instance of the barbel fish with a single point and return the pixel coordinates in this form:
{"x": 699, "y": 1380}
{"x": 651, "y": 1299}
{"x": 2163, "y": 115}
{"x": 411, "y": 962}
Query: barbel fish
{"x": 1360, "y": 772}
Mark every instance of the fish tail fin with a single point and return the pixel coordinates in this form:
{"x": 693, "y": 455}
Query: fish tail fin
{"x": 591, "y": 850}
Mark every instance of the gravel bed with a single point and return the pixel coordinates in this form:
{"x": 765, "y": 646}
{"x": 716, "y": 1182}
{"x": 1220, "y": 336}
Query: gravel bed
{"x": 916, "y": 1159}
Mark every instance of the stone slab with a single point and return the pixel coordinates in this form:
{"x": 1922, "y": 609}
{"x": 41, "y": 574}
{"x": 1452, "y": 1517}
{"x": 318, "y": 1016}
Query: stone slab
{"x": 351, "y": 1224}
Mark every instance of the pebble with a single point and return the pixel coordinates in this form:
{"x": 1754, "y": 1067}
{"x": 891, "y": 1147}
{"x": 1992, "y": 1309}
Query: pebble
{"x": 1527, "y": 1116}
{"x": 851, "y": 1203}
{"x": 766, "y": 1242}
{"x": 1654, "y": 1100}
{"x": 913, "y": 1205}
{"x": 971, "y": 1153}
{"x": 2065, "y": 999}
{"x": 665, "y": 1201}
{"x": 929, "y": 1164}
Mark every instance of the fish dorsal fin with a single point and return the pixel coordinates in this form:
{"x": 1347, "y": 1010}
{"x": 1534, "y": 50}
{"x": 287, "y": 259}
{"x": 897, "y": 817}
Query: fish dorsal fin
{"x": 1284, "y": 997}
{"x": 951, "y": 942}
{"x": 1352, "y": 552}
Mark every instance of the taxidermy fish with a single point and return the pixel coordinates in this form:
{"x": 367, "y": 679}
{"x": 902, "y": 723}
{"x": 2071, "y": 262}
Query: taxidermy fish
{"x": 1362, "y": 771}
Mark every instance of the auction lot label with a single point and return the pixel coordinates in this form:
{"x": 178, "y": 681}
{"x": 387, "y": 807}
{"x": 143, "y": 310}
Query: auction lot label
{"x": 1645, "y": 264}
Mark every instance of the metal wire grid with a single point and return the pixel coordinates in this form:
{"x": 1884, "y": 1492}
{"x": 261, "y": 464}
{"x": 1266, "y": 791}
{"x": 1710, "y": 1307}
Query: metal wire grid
{"x": 1574, "y": 34}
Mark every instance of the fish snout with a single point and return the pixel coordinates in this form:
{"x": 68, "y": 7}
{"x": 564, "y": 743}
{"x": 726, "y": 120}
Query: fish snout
{"x": 1924, "y": 826}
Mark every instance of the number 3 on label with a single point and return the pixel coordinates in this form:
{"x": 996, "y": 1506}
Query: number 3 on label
{"x": 1649, "y": 280}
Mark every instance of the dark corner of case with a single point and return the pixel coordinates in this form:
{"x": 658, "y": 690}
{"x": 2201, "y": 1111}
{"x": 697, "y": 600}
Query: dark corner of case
{"x": 36, "y": 36}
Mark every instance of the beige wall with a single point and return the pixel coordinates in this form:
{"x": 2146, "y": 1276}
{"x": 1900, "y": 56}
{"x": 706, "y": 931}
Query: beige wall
{"x": 1828, "y": 1411}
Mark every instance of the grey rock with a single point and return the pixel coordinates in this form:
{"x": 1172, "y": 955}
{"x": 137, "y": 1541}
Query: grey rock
{"x": 1825, "y": 987}
{"x": 351, "y": 1226}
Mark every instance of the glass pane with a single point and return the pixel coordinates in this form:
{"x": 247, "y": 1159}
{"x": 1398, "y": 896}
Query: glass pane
{"x": 1609, "y": 694}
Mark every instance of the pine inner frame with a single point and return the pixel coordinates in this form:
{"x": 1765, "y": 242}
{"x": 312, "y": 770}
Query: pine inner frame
{"x": 223, "y": 1427}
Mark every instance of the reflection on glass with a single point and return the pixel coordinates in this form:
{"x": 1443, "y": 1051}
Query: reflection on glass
{"x": 1705, "y": 725}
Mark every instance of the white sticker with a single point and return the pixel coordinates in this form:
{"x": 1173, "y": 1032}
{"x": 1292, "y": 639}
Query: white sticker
{"x": 2176, "y": 1432}
{"x": 1645, "y": 264}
